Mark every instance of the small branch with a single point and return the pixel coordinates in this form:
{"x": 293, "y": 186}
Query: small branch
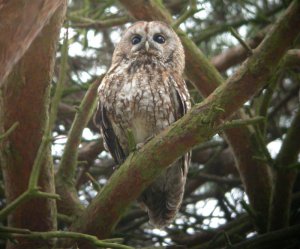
{"x": 65, "y": 176}
{"x": 84, "y": 22}
{"x": 33, "y": 189}
{"x": 221, "y": 28}
{"x": 241, "y": 41}
{"x": 261, "y": 143}
{"x": 237, "y": 54}
{"x": 266, "y": 100}
{"x": 95, "y": 184}
{"x": 242, "y": 122}
{"x": 65, "y": 218}
{"x": 68, "y": 163}
{"x": 14, "y": 204}
{"x": 36, "y": 168}
{"x": 26, "y": 196}
{"x": 9, "y": 131}
{"x": 248, "y": 209}
{"x": 284, "y": 177}
{"x": 219, "y": 179}
{"x": 188, "y": 13}
{"x": 16, "y": 232}
{"x": 60, "y": 84}
{"x": 266, "y": 239}
{"x": 46, "y": 195}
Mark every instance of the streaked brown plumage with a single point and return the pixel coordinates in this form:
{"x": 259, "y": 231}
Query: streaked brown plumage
{"x": 144, "y": 92}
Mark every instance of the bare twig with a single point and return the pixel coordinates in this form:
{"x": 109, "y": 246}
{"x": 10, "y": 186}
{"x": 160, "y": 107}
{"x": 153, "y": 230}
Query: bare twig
{"x": 9, "y": 131}
{"x": 188, "y": 13}
{"x": 241, "y": 41}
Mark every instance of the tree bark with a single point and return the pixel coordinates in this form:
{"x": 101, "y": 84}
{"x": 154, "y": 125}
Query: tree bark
{"x": 24, "y": 98}
{"x": 21, "y": 21}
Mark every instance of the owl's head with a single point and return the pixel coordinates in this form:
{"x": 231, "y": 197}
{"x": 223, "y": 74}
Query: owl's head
{"x": 151, "y": 41}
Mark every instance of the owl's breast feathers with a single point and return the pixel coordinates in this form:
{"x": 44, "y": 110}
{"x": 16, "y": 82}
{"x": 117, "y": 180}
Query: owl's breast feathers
{"x": 145, "y": 100}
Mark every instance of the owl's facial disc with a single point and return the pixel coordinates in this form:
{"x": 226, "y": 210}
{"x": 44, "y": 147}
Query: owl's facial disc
{"x": 150, "y": 41}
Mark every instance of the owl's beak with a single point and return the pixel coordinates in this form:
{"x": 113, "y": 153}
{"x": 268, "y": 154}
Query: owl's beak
{"x": 147, "y": 46}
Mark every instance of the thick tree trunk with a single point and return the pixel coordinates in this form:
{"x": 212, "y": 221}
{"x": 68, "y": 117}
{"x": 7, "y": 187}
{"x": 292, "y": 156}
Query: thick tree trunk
{"x": 24, "y": 98}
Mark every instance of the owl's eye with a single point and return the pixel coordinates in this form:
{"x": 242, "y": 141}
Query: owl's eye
{"x": 159, "y": 38}
{"x": 136, "y": 39}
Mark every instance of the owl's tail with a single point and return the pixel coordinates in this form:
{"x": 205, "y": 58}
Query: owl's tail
{"x": 163, "y": 198}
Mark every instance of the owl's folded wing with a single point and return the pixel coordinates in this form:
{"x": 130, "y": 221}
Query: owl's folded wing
{"x": 111, "y": 142}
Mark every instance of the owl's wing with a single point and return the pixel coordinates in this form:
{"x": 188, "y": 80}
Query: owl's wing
{"x": 183, "y": 105}
{"x": 111, "y": 141}
{"x": 181, "y": 97}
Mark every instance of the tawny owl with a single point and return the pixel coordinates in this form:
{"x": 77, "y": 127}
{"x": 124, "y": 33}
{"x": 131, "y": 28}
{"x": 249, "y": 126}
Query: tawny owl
{"x": 143, "y": 93}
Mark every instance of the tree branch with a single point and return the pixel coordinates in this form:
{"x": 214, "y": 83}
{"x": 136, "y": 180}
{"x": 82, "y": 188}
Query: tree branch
{"x": 221, "y": 28}
{"x": 65, "y": 177}
{"x": 284, "y": 177}
{"x": 83, "y": 22}
{"x": 272, "y": 239}
{"x": 237, "y": 54}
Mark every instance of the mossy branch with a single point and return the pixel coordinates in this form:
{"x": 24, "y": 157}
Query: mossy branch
{"x": 60, "y": 84}
{"x": 84, "y": 22}
{"x": 68, "y": 164}
{"x": 24, "y": 197}
{"x": 284, "y": 176}
{"x": 9, "y": 232}
{"x": 65, "y": 176}
{"x": 242, "y": 122}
